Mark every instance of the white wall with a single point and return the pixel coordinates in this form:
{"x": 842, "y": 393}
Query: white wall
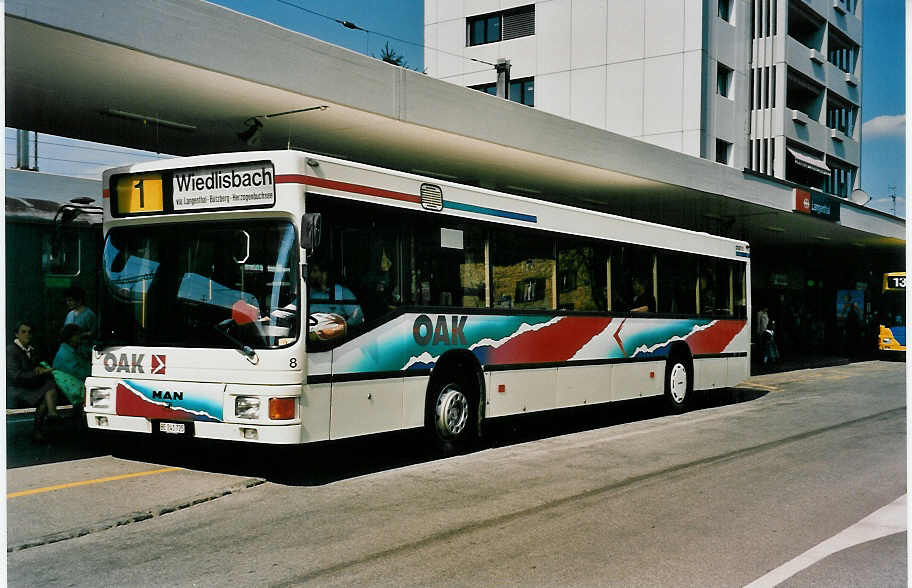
{"x": 641, "y": 68}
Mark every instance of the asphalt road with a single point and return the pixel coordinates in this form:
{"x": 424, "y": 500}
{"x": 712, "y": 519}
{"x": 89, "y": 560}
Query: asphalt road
{"x": 791, "y": 477}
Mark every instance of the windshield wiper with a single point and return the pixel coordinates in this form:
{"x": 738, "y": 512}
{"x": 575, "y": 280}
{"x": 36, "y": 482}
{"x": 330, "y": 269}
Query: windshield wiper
{"x": 222, "y": 329}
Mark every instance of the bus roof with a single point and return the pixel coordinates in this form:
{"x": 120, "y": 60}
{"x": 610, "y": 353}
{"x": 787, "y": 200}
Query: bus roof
{"x": 550, "y": 216}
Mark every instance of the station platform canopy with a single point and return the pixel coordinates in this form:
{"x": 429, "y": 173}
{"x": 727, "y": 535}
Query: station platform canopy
{"x": 187, "y": 77}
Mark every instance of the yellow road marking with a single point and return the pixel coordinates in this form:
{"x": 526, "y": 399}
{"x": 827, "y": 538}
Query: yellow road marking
{"x": 87, "y": 482}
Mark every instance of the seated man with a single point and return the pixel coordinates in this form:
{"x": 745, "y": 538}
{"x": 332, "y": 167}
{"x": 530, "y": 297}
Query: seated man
{"x": 324, "y": 308}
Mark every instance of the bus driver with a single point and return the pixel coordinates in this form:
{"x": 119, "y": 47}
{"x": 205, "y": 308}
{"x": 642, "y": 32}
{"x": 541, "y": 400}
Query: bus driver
{"x": 330, "y": 316}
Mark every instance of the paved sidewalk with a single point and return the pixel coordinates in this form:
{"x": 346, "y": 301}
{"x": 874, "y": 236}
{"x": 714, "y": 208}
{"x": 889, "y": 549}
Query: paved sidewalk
{"x": 802, "y": 363}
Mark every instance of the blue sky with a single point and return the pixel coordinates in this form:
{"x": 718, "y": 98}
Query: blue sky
{"x": 883, "y": 103}
{"x": 883, "y": 75}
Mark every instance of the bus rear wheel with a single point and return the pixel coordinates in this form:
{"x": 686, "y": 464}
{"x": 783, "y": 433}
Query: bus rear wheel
{"x": 678, "y": 383}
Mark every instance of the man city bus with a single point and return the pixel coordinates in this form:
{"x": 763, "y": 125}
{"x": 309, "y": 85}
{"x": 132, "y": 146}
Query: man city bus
{"x": 283, "y": 297}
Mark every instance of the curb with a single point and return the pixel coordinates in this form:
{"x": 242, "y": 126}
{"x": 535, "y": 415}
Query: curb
{"x": 15, "y": 411}
{"x": 135, "y": 517}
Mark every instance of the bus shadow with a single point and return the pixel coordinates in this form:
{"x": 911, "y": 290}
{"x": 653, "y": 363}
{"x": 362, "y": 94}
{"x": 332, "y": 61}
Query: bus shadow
{"x": 65, "y": 440}
{"x": 324, "y": 463}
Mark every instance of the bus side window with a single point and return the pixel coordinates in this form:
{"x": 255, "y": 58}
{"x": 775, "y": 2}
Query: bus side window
{"x": 370, "y": 266}
{"x": 677, "y": 275}
{"x": 715, "y": 287}
{"x": 581, "y": 276}
{"x": 633, "y": 279}
{"x": 523, "y": 270}
{"x": 60, "y": 254}
{"x": 739, "y": 290}
{"x": 445, "y": 264}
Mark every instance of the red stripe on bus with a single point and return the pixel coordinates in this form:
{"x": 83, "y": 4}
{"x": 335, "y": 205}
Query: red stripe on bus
{"x": 345, "y": 187}
{"x": 557, "y": 342}
{"x": 716, "y": 337}
{"x": 105, "y": 193}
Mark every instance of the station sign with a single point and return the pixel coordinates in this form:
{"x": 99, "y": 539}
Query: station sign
{"x": 817, "y": 204}
{"x": 200, "y": 189}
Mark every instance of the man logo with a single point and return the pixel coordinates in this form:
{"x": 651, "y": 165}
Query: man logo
{"x": 158, "y": 364}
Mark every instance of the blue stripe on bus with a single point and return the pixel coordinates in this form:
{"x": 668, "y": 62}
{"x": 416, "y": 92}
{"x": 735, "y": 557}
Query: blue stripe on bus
{"x": 742, "y": 254}
{"x": 490, "y": 211}
{"x": 899, "y": 333}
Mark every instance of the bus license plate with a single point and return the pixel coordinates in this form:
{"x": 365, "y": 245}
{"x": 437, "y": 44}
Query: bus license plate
{"x": 173, "y": 428}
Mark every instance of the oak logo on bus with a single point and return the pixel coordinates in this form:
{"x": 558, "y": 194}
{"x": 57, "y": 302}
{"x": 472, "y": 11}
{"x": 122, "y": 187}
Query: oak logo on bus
{"x": 442, "y": 332}
{"x": 131, "y": 364}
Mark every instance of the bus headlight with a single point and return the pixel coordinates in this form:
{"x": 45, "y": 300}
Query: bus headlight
{"x": 100, "y": 397}
{"x": 247, "y": 407}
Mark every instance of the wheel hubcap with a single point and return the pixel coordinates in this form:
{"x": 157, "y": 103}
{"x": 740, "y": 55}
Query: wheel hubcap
{"x": 452, "y": 412}
{"x": 677, "y": 382}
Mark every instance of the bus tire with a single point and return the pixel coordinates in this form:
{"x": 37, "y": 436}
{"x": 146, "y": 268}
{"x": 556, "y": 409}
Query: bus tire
{"x": 678, "y": 383}
{"x": 451, "y": 413}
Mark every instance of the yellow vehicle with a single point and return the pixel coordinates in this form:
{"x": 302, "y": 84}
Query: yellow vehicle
{"x": 892, "y": 335}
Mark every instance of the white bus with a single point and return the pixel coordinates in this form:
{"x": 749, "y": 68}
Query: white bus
{"x": 282, "y": 297}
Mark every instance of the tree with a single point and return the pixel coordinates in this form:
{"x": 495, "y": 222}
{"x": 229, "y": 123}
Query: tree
{"x": 390, "y": 55}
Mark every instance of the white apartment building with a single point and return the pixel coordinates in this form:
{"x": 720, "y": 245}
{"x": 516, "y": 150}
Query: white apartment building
{"x": 770, "y": 86}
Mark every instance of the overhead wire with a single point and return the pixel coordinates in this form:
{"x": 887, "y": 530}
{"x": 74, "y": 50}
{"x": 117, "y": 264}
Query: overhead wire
{"x": 89, "y": 148}
{"x": 350, "y": 25}
{"x": 43, "y": 157}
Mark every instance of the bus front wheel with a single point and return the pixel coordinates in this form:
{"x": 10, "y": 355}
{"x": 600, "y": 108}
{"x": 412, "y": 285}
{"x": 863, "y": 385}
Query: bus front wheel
{"x": 678, "y": 383}
{"x": 450, "y": 416}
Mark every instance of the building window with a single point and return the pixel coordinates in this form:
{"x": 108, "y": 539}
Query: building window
{"x": 500, "y": 26}
{"x": 521, "y": 90}
{"x": 725, "y": 10}
{"x": 841, "y": 116}
{"x": 841, "y": 52}
{"x": 841, "y": 179}
{"x": 723, "y": 80}
{"x": 484, "y": 29}
{"x": 723, "y": 152}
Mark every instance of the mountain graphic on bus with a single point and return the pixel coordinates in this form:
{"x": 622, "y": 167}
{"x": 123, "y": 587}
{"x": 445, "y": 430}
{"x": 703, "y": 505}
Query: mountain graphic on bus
{"x": 534, "y": 339}
{"x": 144, "y": 399}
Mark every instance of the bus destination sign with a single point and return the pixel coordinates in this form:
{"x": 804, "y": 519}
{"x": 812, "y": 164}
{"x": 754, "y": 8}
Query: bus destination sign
{"x": 232, "y": 186}
{"x": 895, "y": 282}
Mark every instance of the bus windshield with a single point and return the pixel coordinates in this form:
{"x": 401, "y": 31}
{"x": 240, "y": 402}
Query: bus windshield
{"x": 219, "y": 285}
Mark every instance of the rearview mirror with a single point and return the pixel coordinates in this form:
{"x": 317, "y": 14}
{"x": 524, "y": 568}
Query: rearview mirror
{"x": 311, "y": 230}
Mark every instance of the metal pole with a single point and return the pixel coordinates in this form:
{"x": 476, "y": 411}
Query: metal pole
{"x": 503, "y": 78}
{"x": 22, "y": 149}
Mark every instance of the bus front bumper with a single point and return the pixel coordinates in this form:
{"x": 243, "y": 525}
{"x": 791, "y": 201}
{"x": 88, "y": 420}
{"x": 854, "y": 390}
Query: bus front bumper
{"x": 251, "y": 433}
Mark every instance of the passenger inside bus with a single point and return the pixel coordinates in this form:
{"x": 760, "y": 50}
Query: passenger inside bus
{"x": 643, "y": 301}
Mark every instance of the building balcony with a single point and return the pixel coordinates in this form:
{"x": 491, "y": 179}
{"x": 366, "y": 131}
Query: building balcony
{"x": 835, "y": 12}
{"x": 800, "y": 129}
{"x": 811, "y": 62}
{"x": 845, "y": 21}
{"x": 844, "y": 84}
{"x": 844, "y": 147}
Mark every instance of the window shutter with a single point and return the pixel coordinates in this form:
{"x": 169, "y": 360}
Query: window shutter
{"x": 519, "y": 23}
